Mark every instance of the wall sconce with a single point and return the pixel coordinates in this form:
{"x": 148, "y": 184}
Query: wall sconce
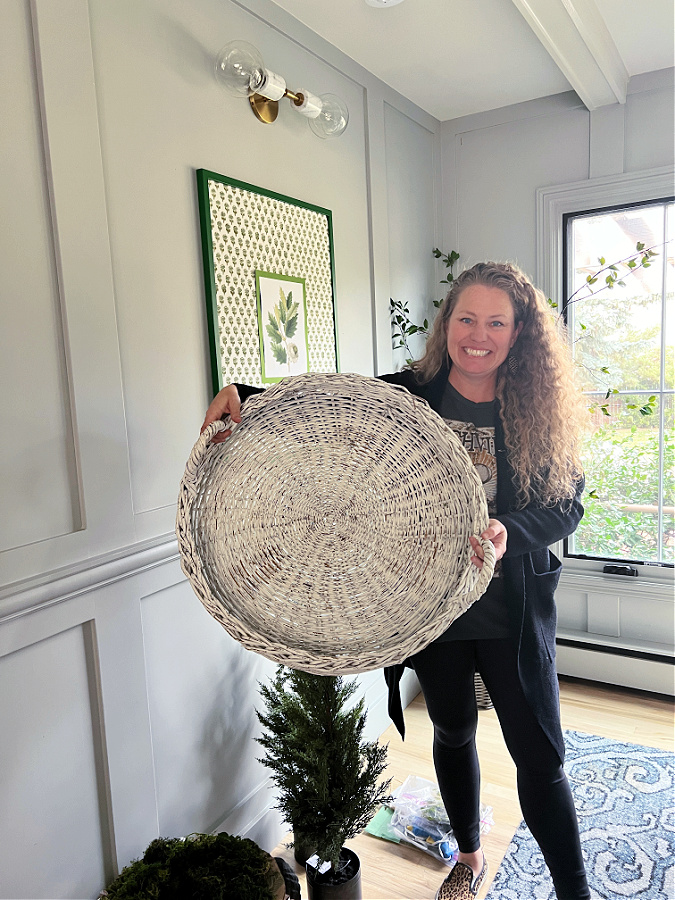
{"x": 242, "y": 73}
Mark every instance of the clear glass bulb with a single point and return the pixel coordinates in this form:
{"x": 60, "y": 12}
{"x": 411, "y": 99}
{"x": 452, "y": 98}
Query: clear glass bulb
{"x": 240, "y": 69}
{"x": 333, "y": 118}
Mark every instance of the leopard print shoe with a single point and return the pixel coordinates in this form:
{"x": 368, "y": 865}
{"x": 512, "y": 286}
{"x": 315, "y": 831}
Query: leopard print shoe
{"x": 460, "y": 883}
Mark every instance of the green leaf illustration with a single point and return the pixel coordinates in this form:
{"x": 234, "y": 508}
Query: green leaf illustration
{"x": 273, "y": 329}
{"x": 281, "y": 327}
{"x": 279, "y": 352}
{"x": 292, "y": 325}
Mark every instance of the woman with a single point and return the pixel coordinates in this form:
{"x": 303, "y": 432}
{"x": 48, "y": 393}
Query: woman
{"x": 498, "y": 372}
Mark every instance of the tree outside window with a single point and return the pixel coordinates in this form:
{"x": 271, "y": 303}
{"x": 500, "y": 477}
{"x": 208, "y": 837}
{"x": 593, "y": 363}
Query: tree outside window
{"x": 623, "y": 339}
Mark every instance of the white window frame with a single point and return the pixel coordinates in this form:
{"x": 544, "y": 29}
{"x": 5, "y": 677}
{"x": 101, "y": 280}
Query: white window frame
{"x": 584, "y": 196}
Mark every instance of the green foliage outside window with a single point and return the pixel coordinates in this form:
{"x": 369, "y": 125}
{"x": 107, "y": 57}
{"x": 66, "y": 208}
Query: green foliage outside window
{"x": 621, "y": 325}
{"x": 623, "y": 463}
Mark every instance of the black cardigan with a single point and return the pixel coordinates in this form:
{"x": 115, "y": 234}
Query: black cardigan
{"x": 531, "y": 573}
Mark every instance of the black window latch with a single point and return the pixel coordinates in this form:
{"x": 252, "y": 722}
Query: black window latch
{"x": 620, "y": 570}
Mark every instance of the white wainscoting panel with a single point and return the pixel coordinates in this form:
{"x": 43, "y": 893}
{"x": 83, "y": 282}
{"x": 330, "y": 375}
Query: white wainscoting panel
{"x": 645, "y": 618}
{"x": 411, "y": 154}
{"x": 53, "y": 836}
{"x": 617, "y": 630}
{"x": 604, "y": 613}
{"x": 37, "y": 451}
{"x": 202, "y": 695}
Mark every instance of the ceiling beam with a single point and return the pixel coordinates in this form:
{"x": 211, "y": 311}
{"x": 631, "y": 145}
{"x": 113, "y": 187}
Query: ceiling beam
{"x": 578, "y": 40}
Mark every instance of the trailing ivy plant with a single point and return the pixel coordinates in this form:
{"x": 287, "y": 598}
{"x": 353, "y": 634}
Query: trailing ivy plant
{"x": 402, "y": 325}
{"x": 448, "y": 260}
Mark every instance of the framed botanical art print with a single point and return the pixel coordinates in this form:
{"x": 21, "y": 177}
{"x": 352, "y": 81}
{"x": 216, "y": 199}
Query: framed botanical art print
{"x": 282, "y": 326}
{"x": 270, "y": 283}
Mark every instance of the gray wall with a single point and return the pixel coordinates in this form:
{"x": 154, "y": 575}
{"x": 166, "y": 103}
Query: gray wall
{"x": 494, "y": 163}
{"x": 127, "y": 711}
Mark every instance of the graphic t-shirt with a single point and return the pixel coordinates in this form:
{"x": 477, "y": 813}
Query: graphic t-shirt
{"x": 474, "y": 425}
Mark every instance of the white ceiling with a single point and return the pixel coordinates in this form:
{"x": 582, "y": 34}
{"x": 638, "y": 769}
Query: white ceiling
{"x": 456, "y": 57}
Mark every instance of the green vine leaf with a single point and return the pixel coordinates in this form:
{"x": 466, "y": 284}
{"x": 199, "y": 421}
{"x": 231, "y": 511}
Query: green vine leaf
{"x": 399, "y": 313}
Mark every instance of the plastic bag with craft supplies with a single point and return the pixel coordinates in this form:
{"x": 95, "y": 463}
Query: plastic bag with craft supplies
{"x": 419, "y": 818}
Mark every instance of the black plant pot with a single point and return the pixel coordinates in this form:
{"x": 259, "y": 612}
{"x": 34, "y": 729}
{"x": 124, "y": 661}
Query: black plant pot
{"x": 326, "y": 887}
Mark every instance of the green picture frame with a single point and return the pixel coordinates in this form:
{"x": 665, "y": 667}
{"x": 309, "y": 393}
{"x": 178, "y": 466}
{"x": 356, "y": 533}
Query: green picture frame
{"x": 247, "y": 230}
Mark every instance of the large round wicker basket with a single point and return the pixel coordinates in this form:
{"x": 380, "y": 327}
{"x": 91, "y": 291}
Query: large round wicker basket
{"x": 331, "y": 531}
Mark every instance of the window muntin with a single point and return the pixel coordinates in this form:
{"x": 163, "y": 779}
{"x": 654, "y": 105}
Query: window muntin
{"x": 623, "y": 340}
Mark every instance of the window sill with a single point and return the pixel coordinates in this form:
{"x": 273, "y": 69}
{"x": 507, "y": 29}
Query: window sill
{"x": 654, "y": 589}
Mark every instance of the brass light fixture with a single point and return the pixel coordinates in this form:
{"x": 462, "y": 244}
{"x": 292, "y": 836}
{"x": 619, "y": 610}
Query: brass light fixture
{"x": 241, "y": 72}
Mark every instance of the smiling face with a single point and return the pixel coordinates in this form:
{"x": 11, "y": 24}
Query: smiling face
{"x": 480, "y": 332}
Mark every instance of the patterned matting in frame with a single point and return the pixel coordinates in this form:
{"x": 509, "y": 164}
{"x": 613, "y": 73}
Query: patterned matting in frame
{"x": 245, "y": 229}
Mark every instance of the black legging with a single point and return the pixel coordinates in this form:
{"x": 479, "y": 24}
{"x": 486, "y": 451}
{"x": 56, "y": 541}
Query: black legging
{"x": 446, "y": 675}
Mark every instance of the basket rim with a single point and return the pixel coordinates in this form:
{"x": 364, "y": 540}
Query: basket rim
{"x": 298, "y": 392}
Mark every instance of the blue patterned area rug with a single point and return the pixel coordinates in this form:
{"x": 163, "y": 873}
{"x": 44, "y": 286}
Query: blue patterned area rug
{"x": 625, "y": 800}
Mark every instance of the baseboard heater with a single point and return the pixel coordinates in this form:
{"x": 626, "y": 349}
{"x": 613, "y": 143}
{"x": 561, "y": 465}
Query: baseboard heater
{"x": 616, "y": 651}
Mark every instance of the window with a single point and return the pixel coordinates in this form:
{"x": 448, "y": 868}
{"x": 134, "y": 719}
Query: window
{"x": 623, "y": 339}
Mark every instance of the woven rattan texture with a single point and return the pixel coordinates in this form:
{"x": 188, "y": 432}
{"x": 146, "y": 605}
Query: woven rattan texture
{"x": 330, "y": 532}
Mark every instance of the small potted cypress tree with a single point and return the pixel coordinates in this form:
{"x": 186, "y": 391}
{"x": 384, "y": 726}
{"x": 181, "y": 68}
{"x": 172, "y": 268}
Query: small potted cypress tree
{"x": 327, "y": 776}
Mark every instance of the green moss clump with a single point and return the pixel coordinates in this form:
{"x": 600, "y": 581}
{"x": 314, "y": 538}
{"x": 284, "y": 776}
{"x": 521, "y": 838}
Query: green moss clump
{"x": 201, "y": 867}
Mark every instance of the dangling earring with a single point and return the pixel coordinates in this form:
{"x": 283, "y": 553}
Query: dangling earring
{"x": 513, "y": 364}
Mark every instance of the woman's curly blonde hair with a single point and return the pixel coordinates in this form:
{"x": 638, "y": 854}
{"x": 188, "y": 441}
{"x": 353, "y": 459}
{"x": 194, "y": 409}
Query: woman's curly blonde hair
{"x": 540, "y": 406}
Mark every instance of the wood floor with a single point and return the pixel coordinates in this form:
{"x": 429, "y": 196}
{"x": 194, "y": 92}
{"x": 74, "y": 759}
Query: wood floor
{"x": 396, "y": 872}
